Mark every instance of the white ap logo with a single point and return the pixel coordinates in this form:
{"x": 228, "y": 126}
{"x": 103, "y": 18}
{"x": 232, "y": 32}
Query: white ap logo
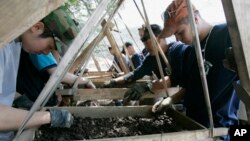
{"x": 240, "y": 132}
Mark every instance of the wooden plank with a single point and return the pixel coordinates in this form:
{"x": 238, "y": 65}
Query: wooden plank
{"x": 193, "y": 134}
{"x": 195, "y": 130}
{"x": 19, "y": 15}
{"x": 114, "y": 46}
{"x": 98, "y": 67}
{"x": 28, "y": 134}
{"x": 197, "y": 135}
{"x": 100, "y": 77}
{"x": 98, "y": 73}
{"x": 76, "y": 65}
{"x": 65, "y": 63}
{"x": 102, "y": 80}
{"x": 237, "y": 15}
{"x": 125, "y": 111}
{"x": 112, "y": 93}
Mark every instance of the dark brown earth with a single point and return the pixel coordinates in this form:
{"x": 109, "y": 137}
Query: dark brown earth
{"x": 89, "y": 128}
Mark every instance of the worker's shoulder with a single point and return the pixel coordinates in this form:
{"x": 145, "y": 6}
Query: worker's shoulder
{"x": 13, "y": 49}
{"x": 177, "y": 47}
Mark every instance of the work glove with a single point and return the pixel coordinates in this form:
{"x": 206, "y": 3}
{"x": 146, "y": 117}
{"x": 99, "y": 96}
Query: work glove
{"x": 90, "y": 85}
{"x": 60, "y": 118}
{"x": 136, "y": 92}
{"x": 162, "y": 104}
{"x": 23, "y": 102}
{"x": 109, "y": 84}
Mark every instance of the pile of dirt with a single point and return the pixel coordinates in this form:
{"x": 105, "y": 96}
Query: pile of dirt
{"x": 95, "y": 128}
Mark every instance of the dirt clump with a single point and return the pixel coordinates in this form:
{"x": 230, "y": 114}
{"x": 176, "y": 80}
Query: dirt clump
{"x": 95, "y": 128}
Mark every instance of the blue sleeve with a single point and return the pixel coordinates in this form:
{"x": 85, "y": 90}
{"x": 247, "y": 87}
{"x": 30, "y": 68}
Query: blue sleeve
{"x": 144, "y": 69}
{"x": 43, "y": 62}
{"x": 136, "y": 59}
{"x": 181, "y": 62}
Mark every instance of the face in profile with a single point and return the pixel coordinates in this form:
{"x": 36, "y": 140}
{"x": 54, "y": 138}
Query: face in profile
{"x": 34, "y": 43}
{"x": 184, "y": 34}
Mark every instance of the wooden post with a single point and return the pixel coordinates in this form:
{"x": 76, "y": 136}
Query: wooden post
{"x": 64, "y": 66}
{"x": 79, "y": 59}
{"x": 17, "y": 16}
{"x": 114, "y": 46}
{"x": 238, "y": 16}
{"x": 96, "y": 63}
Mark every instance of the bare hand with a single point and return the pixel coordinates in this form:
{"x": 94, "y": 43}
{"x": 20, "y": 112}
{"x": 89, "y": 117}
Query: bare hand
{"x": 161, "y": 104}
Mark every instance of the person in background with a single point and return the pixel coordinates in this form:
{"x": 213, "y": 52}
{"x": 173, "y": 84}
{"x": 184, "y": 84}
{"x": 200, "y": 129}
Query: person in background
{"x": 214, "y": 41}
{"x": 149, "y": 65}
{"x": 35, "y": 69}
{"x": 37, "y": 39}
{"x": 136, "y": 58}
{"x": 116, "y": 65}
{"x": 141, "y": 33}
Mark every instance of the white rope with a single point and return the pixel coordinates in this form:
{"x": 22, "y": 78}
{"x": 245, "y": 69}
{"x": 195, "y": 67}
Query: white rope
{"x": 201, "y": 65}
{"x": 124, "y": 47}
{"x": 115, "y": 65}
{"x": 130, "y": 34}
{"x": 154, "y": 43}
{"x": 137, "y": 7}
{"x": 64, "y": 66}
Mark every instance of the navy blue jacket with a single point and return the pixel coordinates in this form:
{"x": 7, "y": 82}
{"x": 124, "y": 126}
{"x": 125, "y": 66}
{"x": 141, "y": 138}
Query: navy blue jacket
{"x": 148, "y": 66}
{"x": 185, "y": 72}
{"x": 137, "y": 60}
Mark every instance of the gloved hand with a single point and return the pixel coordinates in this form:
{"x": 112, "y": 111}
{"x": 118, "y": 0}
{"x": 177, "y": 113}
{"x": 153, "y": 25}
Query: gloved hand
{"x": 60, "y": 118}
{"x": 162, "y": 104}
{"x": 136, "y": 92}
{"x": 90, "y": 85}
{"x": 109, "y": 84}
{"x": 115, "y": 75}
{"x": 23, "y": 102}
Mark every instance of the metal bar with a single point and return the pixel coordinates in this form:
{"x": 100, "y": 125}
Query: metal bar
{"x": 137, "y": 7}
{"x": 196, "y": 42}
{"x": 17, "y": 16}
{"x": 63, "y": 67}
{"x": 153, "y": 40}
{"x": 116, "y": 67}
{"x": 88, "y": 54}
{"x": 237, "y": 15}
{"x": 130, "y": 33}
{"x": 118, "y": 53}
{"x": 124, "y": 47}
{"x": 97, "y": 65}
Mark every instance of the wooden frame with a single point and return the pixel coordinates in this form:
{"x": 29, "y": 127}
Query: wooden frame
{"x": 112, "y": 93}
{"x": 195, "y": 130}
{"x": 237, "y": 15}
{"x": 17, "y": 16}
{"x": 114, "y": 45}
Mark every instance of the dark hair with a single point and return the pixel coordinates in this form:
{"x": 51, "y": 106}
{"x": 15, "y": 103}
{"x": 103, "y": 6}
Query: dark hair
{"x": 123, "y": 51}
{"x": 156, "y": 30}
{"x": 47, "y": 32}
{"x": 127, "y": 44}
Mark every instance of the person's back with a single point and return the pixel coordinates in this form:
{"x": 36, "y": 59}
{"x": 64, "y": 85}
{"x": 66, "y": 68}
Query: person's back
{"x": 214, "y": 42}
{"x": 136, "y": 58}
{"x": 219, "y": 81}
{"x": 149, "y": 65}
{"x": 31, "y": 80}
{"x": 38, "y": 39}
{"x": 9, "y": 56}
